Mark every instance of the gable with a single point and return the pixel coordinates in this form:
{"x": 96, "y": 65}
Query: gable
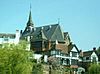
{"x": 94, "y": 55}
{"x": 49, "y": 30}
{"x": 57, "y": 35}
{"x": 74, "y": 49}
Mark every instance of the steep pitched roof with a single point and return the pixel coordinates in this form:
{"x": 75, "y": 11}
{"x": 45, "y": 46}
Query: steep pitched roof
{"x": 38, "y": 35}
{"x": 30, "y": 22}
{"x": 29, "y": 27}
{"x": 25, "y": 33}
{"x": 50, "y": 32}
{"x": 57, "y": 34}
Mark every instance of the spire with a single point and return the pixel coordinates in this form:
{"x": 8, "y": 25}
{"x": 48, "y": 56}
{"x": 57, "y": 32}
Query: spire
{"x": 30, "y": 22}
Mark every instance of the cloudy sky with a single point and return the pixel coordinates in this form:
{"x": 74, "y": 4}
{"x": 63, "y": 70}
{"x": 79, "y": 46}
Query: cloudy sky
{"x": 81, "y": 18}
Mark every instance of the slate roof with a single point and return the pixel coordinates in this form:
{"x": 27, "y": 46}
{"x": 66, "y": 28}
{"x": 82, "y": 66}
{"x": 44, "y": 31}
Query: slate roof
{"x": 26, "y": 33}
{"x": 50, "y": 32}
{"x": 38, "y": 35}
{"x": 2, "y": 35}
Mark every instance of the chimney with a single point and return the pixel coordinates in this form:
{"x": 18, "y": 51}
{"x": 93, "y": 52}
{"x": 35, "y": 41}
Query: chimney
{"x": 17, "y": 30}
{"x": 21, "y": 31}
{"x": 94, "y": 48}
{"x": 17, "y": 37}
{"x": 81, "y": 53}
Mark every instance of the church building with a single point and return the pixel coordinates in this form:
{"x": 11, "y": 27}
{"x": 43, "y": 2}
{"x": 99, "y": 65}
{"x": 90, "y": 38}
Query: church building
{"x": 46, "y": 37}
{"x": 50, "y": 40}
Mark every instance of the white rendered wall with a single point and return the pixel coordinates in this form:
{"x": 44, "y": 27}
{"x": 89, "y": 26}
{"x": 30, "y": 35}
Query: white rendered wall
{"x": 17, "y": 37}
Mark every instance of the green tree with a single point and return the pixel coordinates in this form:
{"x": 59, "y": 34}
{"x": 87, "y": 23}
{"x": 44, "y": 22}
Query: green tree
{"x": 98, "y": 50}
{"x": 14, "y": 59}
{"x": 94, "y": 69}
{"x": 37, "y": 68}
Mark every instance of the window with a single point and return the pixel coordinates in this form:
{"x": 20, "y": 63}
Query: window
{"x": 74, "y": 62}
{"x": 58, "y": 52}
{"x": 87, "y": 58}
{"x": 67, "y": 61}
{"x": 62, "y": 60}
{"x": 52, "y": 52}
{"x": 6, "y": 39}
{"x": 74, "y": 54}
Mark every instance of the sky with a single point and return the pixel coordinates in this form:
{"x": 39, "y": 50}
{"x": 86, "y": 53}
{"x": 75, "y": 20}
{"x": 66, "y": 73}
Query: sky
{"x": 81, "y": 18}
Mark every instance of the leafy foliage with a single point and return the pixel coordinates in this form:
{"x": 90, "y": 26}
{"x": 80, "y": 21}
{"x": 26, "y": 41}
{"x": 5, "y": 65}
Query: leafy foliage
{"x": 98, "y": 50}
{"x": 14, "y": 59}
{"x": 37, "y": 69}
{"x": 94, "y": 69}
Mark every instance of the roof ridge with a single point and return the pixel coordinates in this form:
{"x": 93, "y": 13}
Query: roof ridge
{"x": 47, "y": 25}
{"x": 88, "y": 51}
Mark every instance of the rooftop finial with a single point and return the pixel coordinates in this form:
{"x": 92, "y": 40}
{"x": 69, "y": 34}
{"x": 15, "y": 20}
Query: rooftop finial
{"x": 58, "y": 20}
{"x": 30, "y": 6}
